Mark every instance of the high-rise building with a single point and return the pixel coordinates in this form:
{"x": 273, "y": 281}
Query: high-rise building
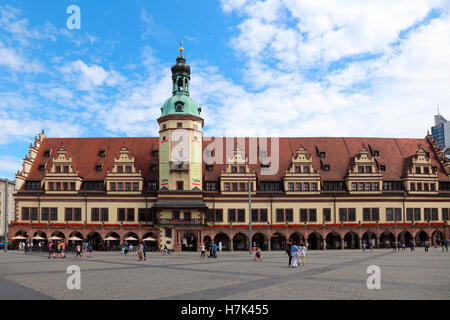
{"x": 10, "y": 200}
{"x": 441, "y": 132}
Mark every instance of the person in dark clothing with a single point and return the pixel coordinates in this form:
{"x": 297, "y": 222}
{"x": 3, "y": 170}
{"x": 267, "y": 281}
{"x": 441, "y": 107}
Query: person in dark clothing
{"x": 288, "y": 251}
{"x": 144, "y": 250}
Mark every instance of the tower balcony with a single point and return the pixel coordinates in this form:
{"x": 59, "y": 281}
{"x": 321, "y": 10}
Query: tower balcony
{"x": 178, "y": 166}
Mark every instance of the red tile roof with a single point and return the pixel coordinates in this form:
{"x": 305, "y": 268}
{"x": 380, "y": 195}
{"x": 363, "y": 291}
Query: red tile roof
{"x": 338, "y": 153}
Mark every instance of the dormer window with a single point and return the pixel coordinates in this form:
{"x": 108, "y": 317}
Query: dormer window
{"x": 47, "y": 154}
{"x": 306, "y": 169}
{"x": 426, "y": 170}
{"x": 58, "y": 169}
{"x": 368, "y": 169}
{"x": 233, "y": 169}
{"x": 164, "y": 126}
{"x": 128, "y": 168}
{"x": 66, "y": 169}
{"x": 326, "y": 167}
{"x": 376, "y": 153}
{"x": 242, "y": 169}
{"x": 42, "y": 167}
{"x": 360, "y": 169}
{"x": 322, "y": 154}
{"x": 102, "y": 153}
{"x": 120, "y": 169}
{"x": 418, "y": 170}
{"x": 98, "y": 168}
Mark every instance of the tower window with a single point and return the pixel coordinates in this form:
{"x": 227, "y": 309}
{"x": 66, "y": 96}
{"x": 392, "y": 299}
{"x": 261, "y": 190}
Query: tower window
{"x": 179, "y": 124}
{"x": 179, "y": 185}
{"x": 179, "y": 106}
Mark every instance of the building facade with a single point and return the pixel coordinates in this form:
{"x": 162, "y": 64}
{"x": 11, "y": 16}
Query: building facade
{"x": 441, "y": 133}
{"x": 10, "y": 216}
{"x": 182, "y": 189}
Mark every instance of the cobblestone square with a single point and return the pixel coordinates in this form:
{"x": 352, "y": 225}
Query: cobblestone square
{"x": 331, "y": 274}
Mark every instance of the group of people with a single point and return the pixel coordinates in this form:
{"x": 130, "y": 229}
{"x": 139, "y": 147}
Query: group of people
{"x": 212, "y": 248}
{"x": 85, "y": 249}
{"x": 400, "y": 245}
{"x": 140, "y": 250}
{"x": 56, "y": 249}
{"x": 296, "y": 253}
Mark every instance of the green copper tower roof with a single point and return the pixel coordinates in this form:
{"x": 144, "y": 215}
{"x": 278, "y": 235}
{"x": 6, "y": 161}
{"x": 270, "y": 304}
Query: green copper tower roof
{"x": 180, "y": 103}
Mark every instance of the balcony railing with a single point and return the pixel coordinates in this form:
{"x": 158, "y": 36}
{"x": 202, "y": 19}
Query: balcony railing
{"x": 182, "y": 222}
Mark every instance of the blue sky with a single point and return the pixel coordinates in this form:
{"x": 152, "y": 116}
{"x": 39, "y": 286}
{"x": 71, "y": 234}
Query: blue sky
{"x": 269, "y": 68}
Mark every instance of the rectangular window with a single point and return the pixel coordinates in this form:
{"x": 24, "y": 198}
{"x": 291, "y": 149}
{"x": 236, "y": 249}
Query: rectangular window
{"x": 445, "y": 214}
{"x": 398, "y": 214}
{"x": 128, "y": 169}
{"x": 303, "y": 215}
{"x": 34, "y": 213}
{"x": 389, "y": 214}
{"x": 95, "y": 214}
{"x": 366, "y": 214}
{"x": 433, "y": 187}
{"x": 231, "y": 215}
{"x": 135, "y": 186}
{"x": 53, "y": 214}
{"x": 68, "y": 214}
{"x": 66, "y": 186}
{"x": 354, "y": 186}
{"x": 72, "y": 186}
{"x": 176, "y": 215}
{"x": 306, "y": 169}
{"x": 242, "y": 169}
{"x": 168, "y": 233}
{"x": 342, "y": 214}
{"x": 280, "y": 215}
{"x": 291, "y": 186}
{"x": 241, "y": 215}
{"x": 77, "y": 214}
{"x": 375, "y": 186}
{"x": 120, "y": 169}
{"x": 351, "y": 214}
{"x": 235, "y": 186}
{"x": 128, "y": 186}
{"x": 187, "y": 216}
{"x": 312, "y": 215}
{"x": 425, "y": 187}
{"x": 375, "y": 214}
{"x": 263, "y": 215}
{"x": 298, "y": 186}
{"x": 58, "y": 186}
{"x": 434, "y": 214}
{"x": 45, "y": 214}
{"x": 412, "y": 186}
{"x": 120, "y": 214}
{"x": 306, "y": 186}
{"x": 368, "y": 169}
{"x": 58, "y": 169}
{"x": 112, "y": 186}
{"x": 210, "y": 215}
{"x": 120, "y": 186}
{"x": 326, "y": 214}
{"x": 227, "y": 186}
{"x": 313, "y": 186}
{"x": 419, "y": 186}
{"x": 130, "y": 214}
{"x": 255, "y": 217}
{"x": 241, "y": 186}
{"x": 427, "y": 214}
{"x": 417, "y": 215}
{"x": 25, "y": 213}
{"x": 409, "y": 214}
{"x": 105, "y": 214}
{"x": 50, "y": 186}
{"x": 361, "y": 186}
{"x": 234, "y": 169}
{"x": 368, "y": 186}
{"x": 219, "y": 215}
{"x": 179, "y": 185}
{"x": 289, "y": 215}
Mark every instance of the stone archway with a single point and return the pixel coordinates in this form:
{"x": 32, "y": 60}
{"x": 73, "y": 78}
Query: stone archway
{"x": 43, "y": 242}
{"x": 405, "y": 237}
{"x": 370, "y": 238}
{"x": 95, "y": 240}
{"x": 351, "y": 240}
{"x": 437, "y": 236}
{"x": 240, "y": 242}
{"x": 315, "y": 241}
{"x": 333, "y": 240}
{"x": 260, "y": 241}
{"x": 387, "y": 239}
{"x": 278, "y": 241}
{"x": 150, "y": 245}
{"x": 72, "y": 243}
{"x": 189, "y": 242}
{"x": 421, "y": 237}
{"x": 222, "y": 239}
{"x": 297, "y": 238}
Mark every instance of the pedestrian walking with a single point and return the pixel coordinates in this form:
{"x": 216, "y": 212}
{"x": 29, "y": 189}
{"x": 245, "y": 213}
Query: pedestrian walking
{"x": 51, "y": 250}
{"x": 203, "y": 251}
{"x": 398, "y": 246}
{"x": 139, "y": 251}
{"x": 78, "y": 249}
{"x": 446, "y": 245}
{"x": 411, "y": 244}
{"x": 63, "y": 250}
{"x": 258, "y": 254}
{"x": 294, "y": 253}
{"x": 435, "y": 246}
{"x": 364, "y": 246}
{"x": 214, "y": 251}
{"x": 426, "y": 245}
{"x": 91, "y": 251}
{"x": 288, "y": 251}
{"x": 144, "y": 250}
{"x": 130, "y": 247}
{"x": 394, "y": 246}
{"x": 302, "y": 252}
{"x": 403, "y": 246}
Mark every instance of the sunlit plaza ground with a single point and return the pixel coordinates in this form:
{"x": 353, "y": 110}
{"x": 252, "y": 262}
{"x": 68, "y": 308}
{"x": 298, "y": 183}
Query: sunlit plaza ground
{"x": 332, "y": 274}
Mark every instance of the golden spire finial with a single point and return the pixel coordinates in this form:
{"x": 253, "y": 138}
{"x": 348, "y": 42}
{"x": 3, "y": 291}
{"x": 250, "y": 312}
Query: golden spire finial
{"x": 181, "y": 48}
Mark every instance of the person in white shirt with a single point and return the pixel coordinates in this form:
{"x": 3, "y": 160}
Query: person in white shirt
{"x": 302, "y": 251}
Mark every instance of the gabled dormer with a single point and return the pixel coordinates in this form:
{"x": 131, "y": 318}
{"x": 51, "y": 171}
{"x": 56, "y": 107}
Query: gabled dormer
{"x": 234, "y": 178}
{"x": 419, "y": 175}
{"x": 363, "y": 174}
{"x": 61, "y": 175}
{"x": 124, "y": 176}
{"x": 301, "y": 176}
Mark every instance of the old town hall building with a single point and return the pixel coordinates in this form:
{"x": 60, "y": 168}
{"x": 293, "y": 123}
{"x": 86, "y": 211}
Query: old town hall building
{"x": 182, "y": 189}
